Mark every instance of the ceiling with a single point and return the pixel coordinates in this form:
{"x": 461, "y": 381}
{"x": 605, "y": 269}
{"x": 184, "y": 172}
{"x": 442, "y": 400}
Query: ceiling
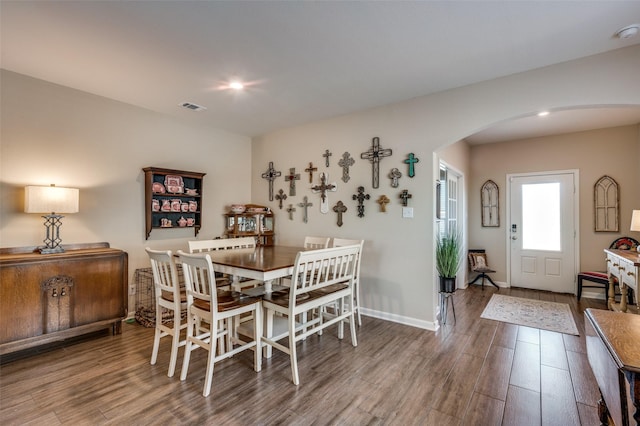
{"x": 306, "y": 60}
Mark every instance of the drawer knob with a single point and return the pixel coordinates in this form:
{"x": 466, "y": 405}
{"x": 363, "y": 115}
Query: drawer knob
{"x": 54, "y": 293}
{"x": 63, "y": 292}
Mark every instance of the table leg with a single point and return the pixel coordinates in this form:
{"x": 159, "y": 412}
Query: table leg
{"x": 611, "y": 297}
{"x": 268, "y": 286}
{"x": 623, "y": 297}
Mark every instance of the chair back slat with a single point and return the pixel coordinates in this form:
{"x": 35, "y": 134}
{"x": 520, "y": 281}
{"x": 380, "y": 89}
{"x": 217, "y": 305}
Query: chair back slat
{"x": 341, "y": 242}
{"x": 316, "y": 242}
{"x": 199, "y": 277}
{"x": 199, "y": 246}
{"x": 165, "y": 273}
{"x": 317, "y": 269}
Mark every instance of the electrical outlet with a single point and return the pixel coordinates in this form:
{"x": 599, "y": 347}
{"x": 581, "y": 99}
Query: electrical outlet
{"x": 407, "y": 212}
{"x": 132, "y": 290}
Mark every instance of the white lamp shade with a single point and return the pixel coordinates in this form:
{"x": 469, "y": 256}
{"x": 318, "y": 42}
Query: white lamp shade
{"x": 51, "y": 199}
{"x": 635, "y": 221}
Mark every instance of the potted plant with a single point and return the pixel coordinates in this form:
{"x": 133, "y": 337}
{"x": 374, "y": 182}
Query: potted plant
{"x": 448, "y": 260}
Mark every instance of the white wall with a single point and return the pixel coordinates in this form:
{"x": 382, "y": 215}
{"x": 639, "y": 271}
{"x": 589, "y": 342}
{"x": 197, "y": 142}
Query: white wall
{"x": 397, "y": 268}
{"x": 53, "y": 134}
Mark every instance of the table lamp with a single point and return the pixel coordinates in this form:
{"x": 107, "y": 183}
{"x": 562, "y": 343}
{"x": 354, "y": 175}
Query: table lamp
{"x": 635, "y": 223}
{"x": 53, "y": 200}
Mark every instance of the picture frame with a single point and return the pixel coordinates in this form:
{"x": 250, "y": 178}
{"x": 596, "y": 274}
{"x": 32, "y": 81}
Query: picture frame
{"x": 490, "y": 204}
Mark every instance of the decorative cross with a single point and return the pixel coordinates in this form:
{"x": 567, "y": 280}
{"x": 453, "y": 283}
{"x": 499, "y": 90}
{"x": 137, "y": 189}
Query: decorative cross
{"x": 361, "y": 196}
{"x": 270, "y": 175}
{"x": 292, "y": 177}
{"x": 310, "y": 170}
{"x": 322, "y": 189}
{"x": 326, "y": 156}
{"x": 405, "y": 197}
{"x": 290, "y": 210}
{"x": 345, "y": 163}
{"x": 304, "y": 205}
{"x": 395, "y": 175}
{"x": 339, "y": 208}
{"x": 411, "y": 161}
{"x": 383, "y": 200}
{"x": 281, "y": 196}
{"x": 374, "y": 155}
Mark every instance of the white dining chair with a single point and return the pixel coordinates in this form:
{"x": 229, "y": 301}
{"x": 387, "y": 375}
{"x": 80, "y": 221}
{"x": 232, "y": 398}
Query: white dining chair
{"x": 341, "y": 242}
{"x": 316, "y": 242}
{"x": 206, "y": 305}
{"x": 320, "y": 277}
{"x": 203, "y": 246}
{"x": 167, "y": 297}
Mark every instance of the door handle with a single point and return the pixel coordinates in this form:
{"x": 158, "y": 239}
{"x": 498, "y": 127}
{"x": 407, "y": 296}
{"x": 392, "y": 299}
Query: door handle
{"x": 513, "y": 237}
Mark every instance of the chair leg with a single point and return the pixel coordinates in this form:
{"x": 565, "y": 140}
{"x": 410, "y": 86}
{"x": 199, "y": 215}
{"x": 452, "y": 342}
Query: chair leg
{"x": 580, "y": 288}
{"x": 175, "y": 344}
{"x": 491, "y": 281}
{"x": 293, "y": 356}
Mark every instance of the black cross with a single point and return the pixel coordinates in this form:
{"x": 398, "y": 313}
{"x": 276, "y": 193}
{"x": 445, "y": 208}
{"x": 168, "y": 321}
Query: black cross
{"x": 405, "y": 197}
{"x": 290, "y": 210}
{"x": 292, "y": 177}
{"x": 411, "y": 161}
{"x": 340, "y": 208}
{"x": 270, "y": 175}
{"x": 310, "y": 170}
{"x": 281, "y": 196}
{"x": 361, "y": 196}
{"x": 374, "y": 155}
{"x": 345, "y": 162}
{"x": 322, "y": 189}
{"x": 326, "y": 156}
{"x": 304, "y": 205}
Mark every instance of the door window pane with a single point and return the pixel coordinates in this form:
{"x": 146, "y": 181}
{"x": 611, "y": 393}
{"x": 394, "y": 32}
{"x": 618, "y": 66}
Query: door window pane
{"x": 541, "y": 216}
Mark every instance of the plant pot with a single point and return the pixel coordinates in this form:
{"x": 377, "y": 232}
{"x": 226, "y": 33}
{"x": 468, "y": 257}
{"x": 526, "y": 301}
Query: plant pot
{"x": 447, "y": 285}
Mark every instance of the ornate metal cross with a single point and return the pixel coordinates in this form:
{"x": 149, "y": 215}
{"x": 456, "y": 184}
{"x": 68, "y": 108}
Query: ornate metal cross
{"x": 345, "y": 162}
{"x": 374, "y": 155}
{"x": 310, "y": 170}
{"x": 270, "y": 175}
{"x": 292, "y": 177}
{"x": 290, "y": 210}
{"x": 404, "y": 195}
{"x": 304, "y": 204}
{"x": 411, "y": 161}
{"x": 281, "y": 196}
{"x": 322, "y": 189}
{"x": 326, "y": 156}
{"x": 383, "y": 200}
{"x": 340, "y": 208}
{"x": 361, "y": 196}
{"x": 395, "y": 175}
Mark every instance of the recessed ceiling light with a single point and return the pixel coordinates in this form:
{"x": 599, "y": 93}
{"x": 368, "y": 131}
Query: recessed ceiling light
{"x": 543, "y": 113}
{"x": 628, "y": 31}
{"x": 236, "y": 85}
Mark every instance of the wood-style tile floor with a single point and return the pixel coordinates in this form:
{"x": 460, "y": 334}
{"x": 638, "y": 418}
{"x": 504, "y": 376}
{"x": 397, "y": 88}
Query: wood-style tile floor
{"x": 473, "y": 372}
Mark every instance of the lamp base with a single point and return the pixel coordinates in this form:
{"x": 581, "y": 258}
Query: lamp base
{"x": 52, "y": 223}
{"x": 51, "y": 250}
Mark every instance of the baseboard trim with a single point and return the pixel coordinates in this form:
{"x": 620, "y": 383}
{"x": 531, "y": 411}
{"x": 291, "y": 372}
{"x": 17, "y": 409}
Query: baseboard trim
{"x": 413, "y": 322}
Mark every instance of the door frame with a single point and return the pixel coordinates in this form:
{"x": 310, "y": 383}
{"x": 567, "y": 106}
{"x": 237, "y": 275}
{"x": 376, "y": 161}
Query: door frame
{"x": 461, "y": 221}
{"x": 576, "y": 217}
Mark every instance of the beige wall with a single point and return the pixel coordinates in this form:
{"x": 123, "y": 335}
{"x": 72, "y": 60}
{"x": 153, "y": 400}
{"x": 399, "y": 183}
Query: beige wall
{"x": 52, "y": 134}
{"x": 612, "y": 152}
{"x": 397, "y": 266}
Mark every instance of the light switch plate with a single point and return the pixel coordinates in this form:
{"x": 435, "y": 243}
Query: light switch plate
{"x": 407, "y": 212}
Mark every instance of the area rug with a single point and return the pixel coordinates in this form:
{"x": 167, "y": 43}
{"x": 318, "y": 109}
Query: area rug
{"x": 531, "y": 313}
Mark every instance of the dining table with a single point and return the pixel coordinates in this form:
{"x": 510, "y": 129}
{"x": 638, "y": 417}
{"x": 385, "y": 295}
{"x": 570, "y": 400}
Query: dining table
{"x": 262, "y": 263}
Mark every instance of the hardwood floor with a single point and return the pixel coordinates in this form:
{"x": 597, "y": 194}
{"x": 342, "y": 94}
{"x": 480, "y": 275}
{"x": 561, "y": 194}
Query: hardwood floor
{"x": 473, "y": 372}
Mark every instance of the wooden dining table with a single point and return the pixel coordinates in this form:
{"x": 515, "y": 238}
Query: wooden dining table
{"x": 262, "y": 263}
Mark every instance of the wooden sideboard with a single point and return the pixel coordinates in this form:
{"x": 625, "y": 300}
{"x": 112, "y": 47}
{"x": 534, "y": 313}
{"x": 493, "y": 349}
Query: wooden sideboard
{"x": 613, "y": 350}
{"x": 52, "y": 297}
{"x": 624, "y": 266}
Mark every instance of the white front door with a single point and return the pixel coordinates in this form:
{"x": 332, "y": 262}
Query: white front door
{"x": 542, "y": 229}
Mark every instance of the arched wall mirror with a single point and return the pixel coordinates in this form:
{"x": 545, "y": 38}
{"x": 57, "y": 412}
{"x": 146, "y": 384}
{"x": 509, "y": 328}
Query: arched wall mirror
{"x": 606, "y": 199}
{"x": 489, "y": 197}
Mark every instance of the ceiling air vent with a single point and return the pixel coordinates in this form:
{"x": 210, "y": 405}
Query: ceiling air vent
{"x": 193, "y": 107}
